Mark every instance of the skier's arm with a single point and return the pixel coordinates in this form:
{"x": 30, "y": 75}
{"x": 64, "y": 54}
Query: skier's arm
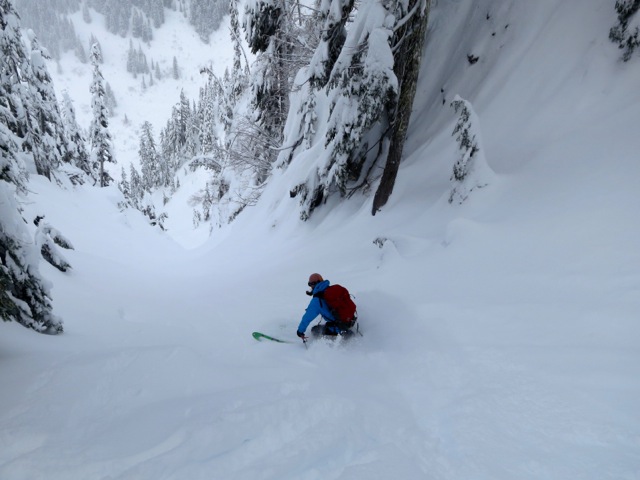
{"x": 313, "y": 310}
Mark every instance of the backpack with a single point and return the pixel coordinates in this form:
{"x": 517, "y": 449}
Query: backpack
{"x": 339, "y": 303}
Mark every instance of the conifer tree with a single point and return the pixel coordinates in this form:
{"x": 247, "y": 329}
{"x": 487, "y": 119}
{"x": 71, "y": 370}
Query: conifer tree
{"x": 176, "y": 69}
{"x": 95, "y": 44}
{"x": 136, "y": 186}
{"x": 86, "y": 15}
{"x": 123, "y": 184}
{"x": 80, "y": 52}
{"x": 408, "y": 43}
{"x": 368, "y": 73}
{"x": 100, "y": 137}
{"x": 24, "y": 294}
{"x": 110, "y": 99}
{"x": 271, "y": 32}
{"x": 152, "y": 176}
{"x": 238, "y": 74}
{"x": 628, "y": 39}
{"x": 470, "y": 171}
{"x": 75, "y": 141}
{"x": 45, "y": 109}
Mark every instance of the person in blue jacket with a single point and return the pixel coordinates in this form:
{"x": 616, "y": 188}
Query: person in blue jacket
{"x": 315, "y": 308}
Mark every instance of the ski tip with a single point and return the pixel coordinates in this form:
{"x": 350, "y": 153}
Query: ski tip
{"x": 261, "y": 336}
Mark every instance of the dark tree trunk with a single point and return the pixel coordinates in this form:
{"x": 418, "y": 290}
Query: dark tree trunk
{"x": 410, "y": 41}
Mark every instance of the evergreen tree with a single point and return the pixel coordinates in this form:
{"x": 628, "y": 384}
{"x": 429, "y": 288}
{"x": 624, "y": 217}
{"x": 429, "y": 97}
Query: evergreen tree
{"x": 24, "y": 294}
{"x": 236, "y": 82}
{"x": 155, "y": 11}
{"x": 46, "y": 112}
{"x": 136, "y": 186}
{"x": 152, "y": 176}
{"x": 267, "y": 31}
{"x": 86, "y": 15}
{"x": 100, "y": 137}
{"x": 262, "y": 21}
{"x": 147, "y": 32}
{"x": 137, "y": 24}
{"x": 132, "y": 59}
{"x": 471, "y": 170}
{"x": 182, "y": 119}
{"x": 110, "y": 99}
{"x": 620, "y": 34}
{"x": 75, "y": 141}
{"x": 206, "y": 118}
{"x": 176, "y": 69}
{"x": 206, "y": 16}
{"x": 408, "y": 43}
{"x": 117, "y": 14}
{"x": 368, "y": 73}
{"x": 334, "y": 17}
{"x": 235, "y": 39}
{"x": 123, "y": 184}
{"x": 361, "y": 89}
{"x": 50, "y": 22}
{"x": 94, "y": 43}
{"x": 80, "y": 52}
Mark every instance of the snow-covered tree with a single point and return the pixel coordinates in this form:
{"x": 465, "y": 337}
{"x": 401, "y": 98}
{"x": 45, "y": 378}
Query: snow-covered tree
{"x": 76, "y": 144}
{"x": 206, "y": 16}
{"x": 279, "y": 35}
{"x": 99, "y": 135}
{"x": 470, "y": 171}
{"x": 262, "y": 21}
{"x": 334, "y": 17}
{"x": 86, "y": 15}
{"x": 236, "y": 82}
{"x": 117, "y": 14}
{"x": 24, "y": 294}
{"x": 137, "y": 24}
{"x": 93, "y": 45}
{"x": 207, "y": 113}
{"x": 407, "y": 45}
{"x": 51, "y": 23}
{"x": 362, "y": 90}
{"x": 80, "y": 52}
{"x": 175, "y": 69}
{"x": 153, "y": 175}
{"x": 627, "y": 32}
{"x": 366, "y": 74}
{"x": 136, "y": 186}
{"x": 45, "y": 111}
{"x": 123, "y": 184}
{"x": 136, "y": 60}
{"x": 110, "y": 99}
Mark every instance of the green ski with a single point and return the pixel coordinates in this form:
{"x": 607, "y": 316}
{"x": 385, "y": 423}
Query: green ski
{"x": 261, "y": 336}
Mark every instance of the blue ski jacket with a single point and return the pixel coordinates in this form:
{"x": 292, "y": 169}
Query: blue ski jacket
{"x": 315, "y": 308}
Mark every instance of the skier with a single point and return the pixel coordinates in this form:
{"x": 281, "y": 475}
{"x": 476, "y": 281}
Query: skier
{"x": 318, "y": 306}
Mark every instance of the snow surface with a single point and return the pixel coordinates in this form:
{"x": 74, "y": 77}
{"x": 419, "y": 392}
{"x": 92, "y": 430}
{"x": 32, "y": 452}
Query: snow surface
{"x": 501, "y": 336}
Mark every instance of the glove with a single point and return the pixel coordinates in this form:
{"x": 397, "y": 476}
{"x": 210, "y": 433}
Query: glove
{"x": 300, "y": 334}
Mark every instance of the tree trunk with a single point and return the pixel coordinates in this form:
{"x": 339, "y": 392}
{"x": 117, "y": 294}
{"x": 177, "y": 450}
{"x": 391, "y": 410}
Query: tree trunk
{"x": 407, "y": 59}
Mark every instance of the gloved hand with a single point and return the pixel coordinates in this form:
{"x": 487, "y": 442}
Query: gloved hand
{"x": 300, "y": 334}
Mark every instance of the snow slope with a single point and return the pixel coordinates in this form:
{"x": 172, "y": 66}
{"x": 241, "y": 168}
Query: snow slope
{"x": 501, "y": 336}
